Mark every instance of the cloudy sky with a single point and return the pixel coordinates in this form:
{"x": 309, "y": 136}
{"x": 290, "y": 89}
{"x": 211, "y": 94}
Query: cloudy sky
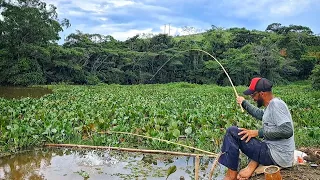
{"x": 126, "y": 18}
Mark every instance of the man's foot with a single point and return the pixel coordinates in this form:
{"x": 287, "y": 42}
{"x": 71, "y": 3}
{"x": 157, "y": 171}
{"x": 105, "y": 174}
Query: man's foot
{"x": 246, "y": 173}
{"x": 230, "y": 175}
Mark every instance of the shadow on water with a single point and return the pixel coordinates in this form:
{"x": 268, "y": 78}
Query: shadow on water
{"x": 79, "y": 164}
{"x": 22, "y": 92}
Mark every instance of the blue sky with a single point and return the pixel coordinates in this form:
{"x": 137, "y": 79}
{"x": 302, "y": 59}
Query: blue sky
{"x": 125, "y": 18}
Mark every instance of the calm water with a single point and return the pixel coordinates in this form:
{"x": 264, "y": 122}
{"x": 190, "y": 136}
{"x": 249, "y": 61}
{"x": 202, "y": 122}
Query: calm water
{"x": 55, "y": 164}
{"x": 21, "y": 92}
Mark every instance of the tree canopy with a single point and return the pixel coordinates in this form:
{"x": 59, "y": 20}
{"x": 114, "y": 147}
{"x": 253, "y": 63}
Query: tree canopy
{"x": 29, "y": 53}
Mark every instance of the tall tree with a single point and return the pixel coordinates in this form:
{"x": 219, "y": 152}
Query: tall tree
{"x": 27, "y": 26}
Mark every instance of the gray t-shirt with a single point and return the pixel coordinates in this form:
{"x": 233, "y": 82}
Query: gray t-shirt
{"x": 277, "y": 127}
{"x": 282, "y": 150}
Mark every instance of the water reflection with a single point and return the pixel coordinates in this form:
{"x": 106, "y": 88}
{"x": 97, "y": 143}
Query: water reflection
{"x": 73, "y": 164}
{"x": 21, "y": 92}
{"x": 24, "y": 165}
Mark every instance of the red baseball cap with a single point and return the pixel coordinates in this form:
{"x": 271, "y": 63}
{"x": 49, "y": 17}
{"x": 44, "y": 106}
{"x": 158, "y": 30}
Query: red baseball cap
{"x": 258, "y": 84}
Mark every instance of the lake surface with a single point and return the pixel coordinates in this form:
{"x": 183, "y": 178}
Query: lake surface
{"x": 22, "y": 92}
{"x": 52, "y": 164}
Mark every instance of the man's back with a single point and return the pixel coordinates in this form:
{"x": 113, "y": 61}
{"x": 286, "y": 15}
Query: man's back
{"x": 281, "y": 149}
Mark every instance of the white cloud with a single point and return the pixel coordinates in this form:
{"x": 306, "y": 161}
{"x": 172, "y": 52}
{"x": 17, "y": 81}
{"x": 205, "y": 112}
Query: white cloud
{"x": 103, "y": 12}
{"x": 243, "y": 8}
{"x": 106, "y": 28}
{"x": 76, "y": 13}
{"x": 103, "y": 19}
{"x": 126, "y": 18}
{"x": 289, "y": 8}
{"x": 174, "y": 31}
{"x": 90, "y": 6}
{"x": 120, "y": 3}
{"x": 124, "y": 35}
{"x": 55, "y": 2}
{"x": 151, "y": 8}
{"x": 102, "y": 7}
{"x": 124, "y": 31}
{"x": 1, "y": 17}
{"x": 119, "y": 31}
{"x": 184, "y": 21}
{"x": 264, "y": 9}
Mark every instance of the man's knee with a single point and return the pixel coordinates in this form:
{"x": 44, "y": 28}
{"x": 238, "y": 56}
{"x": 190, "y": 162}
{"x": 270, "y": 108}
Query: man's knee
{"x": 233, "y": 130}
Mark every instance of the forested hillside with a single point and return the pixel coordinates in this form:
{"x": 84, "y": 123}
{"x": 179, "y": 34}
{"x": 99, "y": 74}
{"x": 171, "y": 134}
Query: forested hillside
{"x": 30, "y": 54}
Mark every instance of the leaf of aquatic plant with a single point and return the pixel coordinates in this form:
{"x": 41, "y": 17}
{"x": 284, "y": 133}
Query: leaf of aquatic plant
{"x": 83, "y": 173}
{"x": 208, "y": 110}
{"x": 54, "y": 130}
{"x": 174, "y": 124}
{"x": 176, "y": 133}
{"x": 171, "y": 170}
{"x": 188, "y": 130}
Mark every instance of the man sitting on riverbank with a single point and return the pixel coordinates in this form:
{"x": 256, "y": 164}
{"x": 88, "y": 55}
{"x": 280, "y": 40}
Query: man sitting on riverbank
{"x": 277, "y": 147}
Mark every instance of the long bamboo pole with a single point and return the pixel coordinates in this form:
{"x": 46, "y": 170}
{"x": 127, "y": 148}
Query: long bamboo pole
{"x": 234, "y": 89}
{"x": 215, "y": 162}
{"x": 224, "y": 70}
{"x": 138, "y": 135}
{"x": 128, "y": 150}
{"x": 196, "y": 169}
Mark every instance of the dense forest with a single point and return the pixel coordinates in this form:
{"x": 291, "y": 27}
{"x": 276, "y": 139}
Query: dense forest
{"x": 30, "y": 54}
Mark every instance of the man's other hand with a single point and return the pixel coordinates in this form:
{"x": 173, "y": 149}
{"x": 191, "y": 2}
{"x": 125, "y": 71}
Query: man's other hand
{"x": 240, "y": 99}
{"x": 248, "y": 134}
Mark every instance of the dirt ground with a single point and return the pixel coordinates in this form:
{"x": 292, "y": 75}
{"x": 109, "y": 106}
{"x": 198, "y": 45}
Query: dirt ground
{"x": 301, "y": 172}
